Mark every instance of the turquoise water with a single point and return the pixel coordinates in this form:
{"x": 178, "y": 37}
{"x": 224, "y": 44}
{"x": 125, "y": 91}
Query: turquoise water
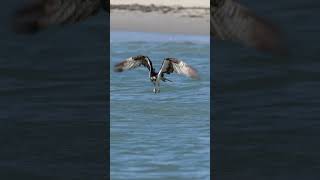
{"x": 166, "y": 135}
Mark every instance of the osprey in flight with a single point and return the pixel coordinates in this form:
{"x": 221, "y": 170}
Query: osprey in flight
{"x": 169, "y": 65}
{"x": 229, "y": 20}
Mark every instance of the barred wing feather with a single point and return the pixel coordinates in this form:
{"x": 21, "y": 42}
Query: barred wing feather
{"x": 231, "y": 20}
{"x": 133, "y": 62}
{"x": 40, "y": 14}
{"x": 170, "y": 65}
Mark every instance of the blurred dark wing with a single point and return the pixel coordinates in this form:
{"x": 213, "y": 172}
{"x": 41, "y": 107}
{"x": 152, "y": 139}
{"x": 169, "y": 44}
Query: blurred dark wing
{"x": 170, "y": 65}
{"x": 40, "y": 14}
{"x": 133, "y": 62}
{"x": 232, "y": 21}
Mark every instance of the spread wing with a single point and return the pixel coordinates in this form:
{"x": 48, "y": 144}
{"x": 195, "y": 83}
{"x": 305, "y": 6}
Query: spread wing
{"x": 40, "y": 14}
{"x": 134, "y": 62}
{"x": 232, "y": 21}
{"x": 170, "y": 65}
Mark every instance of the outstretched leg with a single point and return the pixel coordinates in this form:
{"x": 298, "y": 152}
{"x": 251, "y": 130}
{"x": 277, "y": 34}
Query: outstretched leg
{"x": 158, "y": 87}
{"x": 154, "y": 87}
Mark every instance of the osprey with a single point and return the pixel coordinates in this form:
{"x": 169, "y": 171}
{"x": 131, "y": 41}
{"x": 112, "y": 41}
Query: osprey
{"x": 229, "y": 20}
{"x": 169, "y": 65}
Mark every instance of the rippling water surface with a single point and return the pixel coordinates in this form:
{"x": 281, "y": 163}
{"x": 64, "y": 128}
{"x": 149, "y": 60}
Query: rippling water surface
{"x": 166, "y": 135}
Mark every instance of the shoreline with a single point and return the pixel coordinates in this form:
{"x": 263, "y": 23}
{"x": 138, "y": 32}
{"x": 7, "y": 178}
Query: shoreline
{"x": 160, "y": 17}
{"x": 160, "y": 33}
{"x": 183, "y": 3}
{"x": 127, "y": 36}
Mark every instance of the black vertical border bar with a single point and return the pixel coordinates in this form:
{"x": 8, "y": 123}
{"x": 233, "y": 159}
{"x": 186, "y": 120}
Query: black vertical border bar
{"x": 34, "y": 145}
{"x": 107, "y": 41}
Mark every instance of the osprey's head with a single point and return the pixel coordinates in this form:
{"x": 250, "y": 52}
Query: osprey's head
{"x": 153, "y": 78}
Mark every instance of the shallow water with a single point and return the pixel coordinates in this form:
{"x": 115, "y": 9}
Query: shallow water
{"x": 165, "y": 135}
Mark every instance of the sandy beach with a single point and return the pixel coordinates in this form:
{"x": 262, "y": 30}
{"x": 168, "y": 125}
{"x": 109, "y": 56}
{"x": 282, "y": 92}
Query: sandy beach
{"x": 164, "y": 16}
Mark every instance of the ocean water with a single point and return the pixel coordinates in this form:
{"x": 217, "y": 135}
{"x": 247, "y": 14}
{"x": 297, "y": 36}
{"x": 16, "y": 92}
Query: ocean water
{"x": 165, "y": 135}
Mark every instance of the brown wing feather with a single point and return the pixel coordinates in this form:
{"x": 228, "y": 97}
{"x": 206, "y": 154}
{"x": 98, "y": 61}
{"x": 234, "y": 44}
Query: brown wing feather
{"x": 232, "y": 21}
{"x": 133, "y": 62}
{"x": 173, "y": 65}
{"x": 40, "y": 14}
